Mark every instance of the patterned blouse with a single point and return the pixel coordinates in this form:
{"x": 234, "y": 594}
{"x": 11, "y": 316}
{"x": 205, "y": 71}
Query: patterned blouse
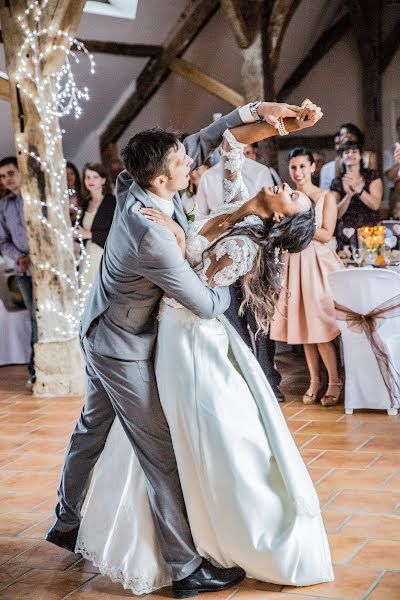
{"x": 357, "y": 214}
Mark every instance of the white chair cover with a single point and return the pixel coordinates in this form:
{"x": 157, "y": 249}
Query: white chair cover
{"x": 15, "y": 328}
{"x": 362, "y": 290}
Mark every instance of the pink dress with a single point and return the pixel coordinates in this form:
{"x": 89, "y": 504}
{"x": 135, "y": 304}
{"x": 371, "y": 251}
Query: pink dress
{"x": 305, "y": 313}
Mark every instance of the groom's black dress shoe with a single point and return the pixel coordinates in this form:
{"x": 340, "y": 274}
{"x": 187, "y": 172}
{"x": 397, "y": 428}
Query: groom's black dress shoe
{"x": 279, "y": 395}
{"x": 64, "y": 539}
{"x": 207, "y": 578}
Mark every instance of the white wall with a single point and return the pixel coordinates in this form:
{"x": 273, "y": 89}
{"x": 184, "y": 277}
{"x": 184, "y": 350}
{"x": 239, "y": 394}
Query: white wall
{"x": 335, "y": 85}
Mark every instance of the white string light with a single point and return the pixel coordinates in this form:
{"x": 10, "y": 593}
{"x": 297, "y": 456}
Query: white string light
{"x": 54, "y": 96}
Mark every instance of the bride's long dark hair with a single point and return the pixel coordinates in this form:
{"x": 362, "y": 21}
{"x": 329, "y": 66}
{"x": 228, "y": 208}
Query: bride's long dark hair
{"x": 263, "y": 284}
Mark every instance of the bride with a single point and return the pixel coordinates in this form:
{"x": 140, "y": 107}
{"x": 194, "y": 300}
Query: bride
{"x": 248, "y": 495}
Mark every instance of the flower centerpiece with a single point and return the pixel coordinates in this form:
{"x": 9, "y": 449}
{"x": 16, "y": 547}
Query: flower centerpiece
{"x": 371, "y": 243}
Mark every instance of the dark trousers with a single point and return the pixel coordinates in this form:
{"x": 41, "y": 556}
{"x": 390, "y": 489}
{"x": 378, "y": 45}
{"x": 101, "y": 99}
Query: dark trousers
{"x": 264, "y": 347}
{"x": 25, "y": 286}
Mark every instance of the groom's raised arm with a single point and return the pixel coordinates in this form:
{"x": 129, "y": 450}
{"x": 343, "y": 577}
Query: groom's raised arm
{"x": 161, "y": 261}
{"x": 200, "y": 145}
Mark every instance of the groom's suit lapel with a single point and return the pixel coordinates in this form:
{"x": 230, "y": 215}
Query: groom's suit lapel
{"x": 140, "y": 194}
{"x": 180, "y": 216}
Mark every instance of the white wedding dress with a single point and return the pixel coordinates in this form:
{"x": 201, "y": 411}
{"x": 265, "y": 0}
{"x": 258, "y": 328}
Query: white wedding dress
{"x": 249, "y": 498}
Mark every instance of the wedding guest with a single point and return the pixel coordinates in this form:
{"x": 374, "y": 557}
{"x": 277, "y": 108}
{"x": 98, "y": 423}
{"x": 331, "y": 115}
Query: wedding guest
{"x": 189, "y": 196}
{"x": 351, "y": 133}
{"x": 209, "y": 198}
{"x": 14, "y": 244}
{"x": 74, "y": 191}
{"x": 255, "y": 176}
{"x": 348, "y": 132}
{"x": 358, "y": 192}
{"x": 98, "y": 205}
{"x": 319, "y": 161}
{"x": 305, "y": 311}
{"x": 330, "y": 169}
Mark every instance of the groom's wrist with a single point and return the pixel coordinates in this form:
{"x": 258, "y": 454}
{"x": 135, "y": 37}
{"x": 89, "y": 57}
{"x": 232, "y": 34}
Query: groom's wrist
{"x": 248, "y": 112}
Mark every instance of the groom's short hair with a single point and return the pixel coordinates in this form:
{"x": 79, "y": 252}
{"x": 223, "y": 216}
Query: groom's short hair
{"x": 146, "y": 154}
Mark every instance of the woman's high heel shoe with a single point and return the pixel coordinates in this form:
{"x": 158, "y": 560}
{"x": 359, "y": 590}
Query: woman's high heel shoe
{"x": 333, "y": 399}
{"x": 312, "y": 397}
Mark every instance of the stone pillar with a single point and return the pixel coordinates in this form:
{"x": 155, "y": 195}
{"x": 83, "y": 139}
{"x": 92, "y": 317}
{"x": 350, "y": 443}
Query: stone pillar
{"x": 58, "y": 361}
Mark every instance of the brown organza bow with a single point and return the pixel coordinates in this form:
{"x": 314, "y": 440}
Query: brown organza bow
{"x": 369, "y": 324}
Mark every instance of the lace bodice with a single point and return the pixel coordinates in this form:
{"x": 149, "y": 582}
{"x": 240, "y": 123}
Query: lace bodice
{"x": 239, "y": 251}
{"x": 236, "y": 253}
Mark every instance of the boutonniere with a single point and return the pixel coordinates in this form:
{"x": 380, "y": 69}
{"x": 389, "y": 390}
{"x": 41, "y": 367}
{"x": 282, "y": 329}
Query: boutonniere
{"x": 192, "y": 213}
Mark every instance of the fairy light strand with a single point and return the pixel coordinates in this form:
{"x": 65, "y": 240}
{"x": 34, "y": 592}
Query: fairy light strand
{"x": 54, "y": 96}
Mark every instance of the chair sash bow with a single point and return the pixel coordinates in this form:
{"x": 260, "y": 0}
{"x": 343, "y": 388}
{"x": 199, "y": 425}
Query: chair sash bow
{"x": 369, "y": 324}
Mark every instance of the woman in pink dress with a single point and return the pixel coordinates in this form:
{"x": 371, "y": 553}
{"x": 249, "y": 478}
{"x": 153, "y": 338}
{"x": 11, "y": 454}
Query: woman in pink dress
{"x": 305, "y": 312}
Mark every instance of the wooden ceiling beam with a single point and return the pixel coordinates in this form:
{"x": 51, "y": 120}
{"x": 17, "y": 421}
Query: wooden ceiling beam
{"x": 191, "y": 21}
{"x": 121, "y": 49}
{"x": 325, "y": 42}
{"x": 118, "y": 48}
{"x": 281, "y": 13}
{"x": 243, "y": 18}
{"x": 206, "y": 82}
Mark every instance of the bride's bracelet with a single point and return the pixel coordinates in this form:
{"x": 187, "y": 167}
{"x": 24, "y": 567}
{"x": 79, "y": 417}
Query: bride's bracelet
{"x": 281, "y": 127}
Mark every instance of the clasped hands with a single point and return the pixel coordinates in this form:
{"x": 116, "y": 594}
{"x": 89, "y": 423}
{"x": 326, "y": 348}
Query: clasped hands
{"x": 306, "y": 115}
{"x": 351, "y": 184}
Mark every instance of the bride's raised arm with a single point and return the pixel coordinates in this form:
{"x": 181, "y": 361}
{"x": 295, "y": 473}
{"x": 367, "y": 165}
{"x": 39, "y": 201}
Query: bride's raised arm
{"x": 234, "y": 141}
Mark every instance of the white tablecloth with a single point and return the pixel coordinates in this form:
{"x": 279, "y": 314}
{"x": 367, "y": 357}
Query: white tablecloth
{"x": 15, "y": 326}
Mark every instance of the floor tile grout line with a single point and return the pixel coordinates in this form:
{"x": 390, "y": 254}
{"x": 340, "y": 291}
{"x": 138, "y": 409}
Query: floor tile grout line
{"x": 29, "y": 569}
{"x": 321, "y": 453}
{"x": 374, "y": 585}
{"x": 308, "y": 442}
{"x": 346, "y": 520}
{"x": 324, "y": 476}
{"x": 348, "y": 562}
{"x": 338, "y": 492}
{"x": 363, "y": 444}
{"x": 20, "y": 536}
{"x": 80, "y": 586}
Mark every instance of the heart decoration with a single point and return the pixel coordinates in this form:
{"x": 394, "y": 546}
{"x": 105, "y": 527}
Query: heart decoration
{"x": 348, "y": 232}
{"x": 391, "y": 241}
{"x": 396, "y": 228}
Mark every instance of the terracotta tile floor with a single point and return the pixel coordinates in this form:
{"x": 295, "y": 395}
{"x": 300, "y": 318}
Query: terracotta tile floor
{"x": 354, "y": 461}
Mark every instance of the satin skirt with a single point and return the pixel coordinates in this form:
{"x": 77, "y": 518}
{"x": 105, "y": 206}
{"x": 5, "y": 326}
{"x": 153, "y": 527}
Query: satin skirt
{"x": 249, "y": 498}
{"x": 305, "y": 313}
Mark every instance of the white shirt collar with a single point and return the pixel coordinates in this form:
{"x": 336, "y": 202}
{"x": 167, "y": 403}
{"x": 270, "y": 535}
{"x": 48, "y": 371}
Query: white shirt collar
{"x": 166, "y": 206}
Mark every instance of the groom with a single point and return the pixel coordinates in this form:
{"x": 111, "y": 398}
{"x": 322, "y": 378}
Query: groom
{"x": 141, "y": 262}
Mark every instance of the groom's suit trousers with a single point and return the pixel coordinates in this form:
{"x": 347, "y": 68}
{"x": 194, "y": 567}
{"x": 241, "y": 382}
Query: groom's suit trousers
{"x": 128, "y": 389}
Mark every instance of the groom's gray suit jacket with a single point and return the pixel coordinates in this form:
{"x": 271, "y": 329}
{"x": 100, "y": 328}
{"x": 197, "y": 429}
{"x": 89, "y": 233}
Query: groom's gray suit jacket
{"x": 142, "y": 260}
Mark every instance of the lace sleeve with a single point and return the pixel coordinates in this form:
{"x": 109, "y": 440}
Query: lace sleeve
{"x": 232, "y": 156}
{"x": 230, "y": 259}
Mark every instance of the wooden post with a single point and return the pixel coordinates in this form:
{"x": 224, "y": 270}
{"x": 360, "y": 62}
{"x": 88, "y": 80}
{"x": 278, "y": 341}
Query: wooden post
{"x": 366, "y": 16}
{"x": 108, "y": 154}
{"x": 260, "y": 60}
{"x": 57, "y": 354}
